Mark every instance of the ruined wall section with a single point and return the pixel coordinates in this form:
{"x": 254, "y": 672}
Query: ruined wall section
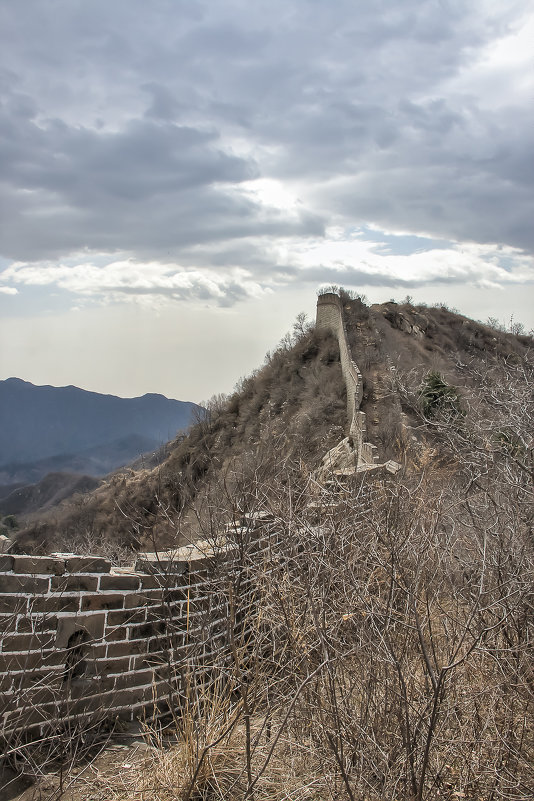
{"x": 80, "y": 640}
{"x": 330, "y": 317}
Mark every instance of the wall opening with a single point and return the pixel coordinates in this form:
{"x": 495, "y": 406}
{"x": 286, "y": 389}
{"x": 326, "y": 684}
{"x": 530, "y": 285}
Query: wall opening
{"x": 76, "y": 660}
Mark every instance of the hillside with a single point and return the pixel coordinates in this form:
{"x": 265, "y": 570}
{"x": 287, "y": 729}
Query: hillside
{"x": 96, "y": 461}
{"x": 48, "y": 492}
{"x": 356, "y": 621}
{"x": 49, "y": 429}
{"x": 294, "y": 404}
{"x": 289, "y": 412}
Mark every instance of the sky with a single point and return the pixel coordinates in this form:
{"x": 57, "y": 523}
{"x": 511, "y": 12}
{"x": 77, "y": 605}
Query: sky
{"x": 178, "y": 178}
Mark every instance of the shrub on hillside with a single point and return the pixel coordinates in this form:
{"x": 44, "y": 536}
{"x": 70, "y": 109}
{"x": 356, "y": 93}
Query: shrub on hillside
{"x": 438, "y": 397}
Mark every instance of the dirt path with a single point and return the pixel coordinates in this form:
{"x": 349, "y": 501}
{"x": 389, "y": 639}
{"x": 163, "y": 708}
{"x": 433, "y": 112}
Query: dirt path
{"x": 90, "y": 780}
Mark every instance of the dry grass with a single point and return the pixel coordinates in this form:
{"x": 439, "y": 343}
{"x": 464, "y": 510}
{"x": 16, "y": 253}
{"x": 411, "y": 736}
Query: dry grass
{"x": 294, "y": 771}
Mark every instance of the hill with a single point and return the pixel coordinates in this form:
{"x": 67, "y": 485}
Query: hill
{"x": 290, "y": 411}
{"x": 296, "y": 400}
{"x": 48, "y": 492}
{"x": 366, "y": 510}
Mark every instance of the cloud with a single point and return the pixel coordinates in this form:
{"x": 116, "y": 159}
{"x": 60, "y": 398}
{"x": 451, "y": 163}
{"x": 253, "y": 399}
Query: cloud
{"x": 352, "y": 260}
{"x": 149, "y": 188}
{"x": 122, "y": 280}
{"x": 183, "y": 149}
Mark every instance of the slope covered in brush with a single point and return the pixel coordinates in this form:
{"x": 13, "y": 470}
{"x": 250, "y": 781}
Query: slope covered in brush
{"x": 290, "y": 412}
{"x": 397, "y": 345}
{"x": 386, "y": 649}
{"x": 294, "y": 406}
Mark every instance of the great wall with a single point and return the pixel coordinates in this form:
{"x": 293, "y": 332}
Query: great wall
{"x": 83, "y": 640}
{"x": 353, "y": 453}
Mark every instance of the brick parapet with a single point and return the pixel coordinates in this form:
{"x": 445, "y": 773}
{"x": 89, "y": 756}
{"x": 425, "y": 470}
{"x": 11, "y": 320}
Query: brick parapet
{"x": 330, "y": 317}
{"x": 80, "y": 639}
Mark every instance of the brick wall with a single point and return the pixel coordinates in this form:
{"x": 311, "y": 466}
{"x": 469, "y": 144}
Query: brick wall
{"x": 330, "y": 317}
{"x": 80, "y": 639}
{"x": 83, "y": 640}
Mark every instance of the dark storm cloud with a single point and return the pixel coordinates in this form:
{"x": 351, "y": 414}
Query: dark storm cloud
{"x": 132, "y": 127}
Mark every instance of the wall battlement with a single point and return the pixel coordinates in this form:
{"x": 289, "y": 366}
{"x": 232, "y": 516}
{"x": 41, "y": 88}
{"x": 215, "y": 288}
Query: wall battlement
{"x": 82, "y": 640}
{"x": 330, "y": 317}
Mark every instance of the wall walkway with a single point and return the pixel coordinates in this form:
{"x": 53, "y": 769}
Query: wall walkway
{"x": 330, "y": 317}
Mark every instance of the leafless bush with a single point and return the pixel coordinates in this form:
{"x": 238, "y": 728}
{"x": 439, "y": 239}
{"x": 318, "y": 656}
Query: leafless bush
{"x": 379, "y": 631}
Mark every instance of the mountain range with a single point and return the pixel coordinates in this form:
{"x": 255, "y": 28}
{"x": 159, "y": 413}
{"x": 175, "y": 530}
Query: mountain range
{"x": 48, "y": 429}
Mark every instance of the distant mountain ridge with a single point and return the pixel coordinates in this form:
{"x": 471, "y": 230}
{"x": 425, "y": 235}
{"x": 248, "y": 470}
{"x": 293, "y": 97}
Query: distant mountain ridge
{"x": 96, "y": 461}
{"x": 48, "y": 492}
{"x": 45, "y": 428}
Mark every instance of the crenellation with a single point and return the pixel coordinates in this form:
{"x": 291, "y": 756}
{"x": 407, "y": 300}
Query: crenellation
{"x": 81, "y": 639}
{"x": 353, "y": 453}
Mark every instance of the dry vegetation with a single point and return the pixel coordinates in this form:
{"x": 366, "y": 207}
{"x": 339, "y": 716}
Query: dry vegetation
{"x": 388, "y": 650}
{"x": 296, "y": 399}
{"x": 391, "y": 648}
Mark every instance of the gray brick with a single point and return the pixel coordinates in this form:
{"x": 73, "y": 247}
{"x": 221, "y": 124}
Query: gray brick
{"x": 119, "y": 617}
{"x": 87, "y": 564}
{"x": 26, "y": 584}
{"x": 74, "y": 583}
{"x": 119, "y": 582}
{"x": 38, "y": 623}
{"x": 38, "y": 565}
{"x": 91, "y": 602}
{"x": 6, "y": 563}
{"x": 58, "y": 603}
{"x": 12, "y": 603}
{"x": 27, "y": 642}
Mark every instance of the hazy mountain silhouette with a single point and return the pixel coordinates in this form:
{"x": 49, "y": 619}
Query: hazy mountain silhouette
{"x": 46, "y": 429}
{"x": 48, "y": 492}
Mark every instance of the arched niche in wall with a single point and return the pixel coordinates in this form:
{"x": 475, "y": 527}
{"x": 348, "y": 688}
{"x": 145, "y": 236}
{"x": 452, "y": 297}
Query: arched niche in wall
{"x": 76, "y": 656}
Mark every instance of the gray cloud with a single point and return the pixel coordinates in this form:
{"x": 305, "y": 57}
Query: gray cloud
{"x": 148, "y": 188}
{"x": 134, "y": 128}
